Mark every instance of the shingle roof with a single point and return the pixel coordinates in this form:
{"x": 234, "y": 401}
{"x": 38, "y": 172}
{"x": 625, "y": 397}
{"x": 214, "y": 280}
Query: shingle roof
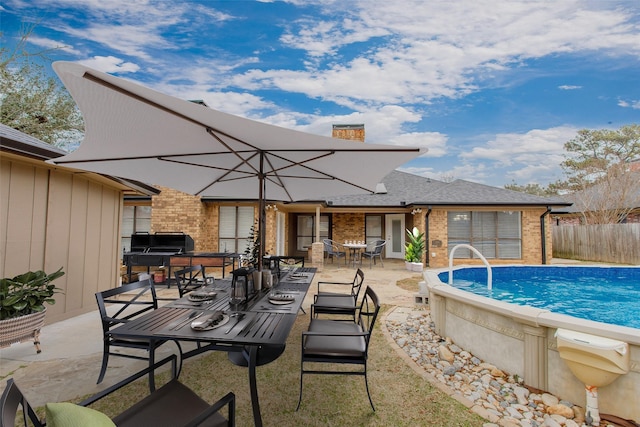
{"x": 405, "y": 189}
{"x": 19, "y": 142}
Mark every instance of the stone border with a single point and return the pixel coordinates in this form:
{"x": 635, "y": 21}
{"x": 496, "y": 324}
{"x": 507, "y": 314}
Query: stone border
{"x": 413, "y": 365}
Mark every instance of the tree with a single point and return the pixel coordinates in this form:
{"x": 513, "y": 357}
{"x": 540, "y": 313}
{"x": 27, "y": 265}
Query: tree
{"x": 32, "y": 101}
{"x": 535, "y": 189}
{"x": 603, "y": 185}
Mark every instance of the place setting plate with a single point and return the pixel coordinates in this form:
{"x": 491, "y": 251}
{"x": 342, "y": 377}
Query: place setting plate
{"x": 279, "y": 298}
{"x": 201, "y": 295}
{"x": 210, "y": 321}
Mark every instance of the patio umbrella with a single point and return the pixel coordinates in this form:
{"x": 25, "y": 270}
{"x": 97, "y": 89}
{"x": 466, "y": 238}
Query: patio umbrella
{"x": 137, "y": 133}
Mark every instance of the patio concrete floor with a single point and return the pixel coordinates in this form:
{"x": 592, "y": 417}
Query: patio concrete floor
{"x": 69, "y": 363}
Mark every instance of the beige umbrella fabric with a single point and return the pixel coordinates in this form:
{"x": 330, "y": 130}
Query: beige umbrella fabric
{"x": 137, "y": 133}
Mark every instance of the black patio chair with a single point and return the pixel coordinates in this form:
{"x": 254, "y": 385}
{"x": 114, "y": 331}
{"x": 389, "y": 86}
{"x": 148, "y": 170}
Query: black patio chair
{"x": 332, "y": 250}
{"x": 376, "y": 251}
{"x": 338, "y": 303}
{"x": 124, "y": 303}
{"x": 173, "y": 404}
{"x": 335, "y": 342}
{"x": 189, "y": 279}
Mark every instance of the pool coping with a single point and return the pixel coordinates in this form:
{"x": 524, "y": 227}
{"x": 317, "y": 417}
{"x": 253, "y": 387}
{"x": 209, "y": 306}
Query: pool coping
{"x": 531, "y": 315}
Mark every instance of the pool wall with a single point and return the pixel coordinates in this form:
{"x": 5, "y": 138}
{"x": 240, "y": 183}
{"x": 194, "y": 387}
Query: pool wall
{"x": 520, "y": 340}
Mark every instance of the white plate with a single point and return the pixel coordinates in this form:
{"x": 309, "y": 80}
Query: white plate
{"x": 276, "y": 302}
{"x": 224, "y": 321}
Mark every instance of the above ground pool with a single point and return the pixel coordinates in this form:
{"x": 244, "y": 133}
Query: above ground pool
{"x": 603, "y": 294}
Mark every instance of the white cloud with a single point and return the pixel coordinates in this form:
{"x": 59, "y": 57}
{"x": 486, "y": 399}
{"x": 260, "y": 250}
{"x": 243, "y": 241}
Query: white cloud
{"x": 534, "y": 156}
{"x": 422, "y": 51}
{"x": 110, "y": 64}
{"x": 50, "y": 44}
{"x": 569, "y": 87}
{"x": 634, "y": 104}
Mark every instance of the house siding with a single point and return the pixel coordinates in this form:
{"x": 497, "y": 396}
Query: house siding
{"x": 54, "y": 218}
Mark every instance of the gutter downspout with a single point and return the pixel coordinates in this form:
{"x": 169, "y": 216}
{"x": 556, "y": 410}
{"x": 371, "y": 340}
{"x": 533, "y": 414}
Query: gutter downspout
{"x": 543, "y": 233}
{"x": 426, "y": 235}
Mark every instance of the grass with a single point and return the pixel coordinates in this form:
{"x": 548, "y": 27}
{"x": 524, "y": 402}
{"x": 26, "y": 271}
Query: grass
{"x": 402, "y": 397}
{"x": 410, "y": 283}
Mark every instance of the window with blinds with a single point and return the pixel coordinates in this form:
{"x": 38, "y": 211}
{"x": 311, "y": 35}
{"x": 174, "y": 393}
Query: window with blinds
{"x": 135, "y": 219}
{"x": 306, "y": 230}
{"x": 494, "y": 234}
{"x": 373, "y": 228}
{"x": 235, "y": 224}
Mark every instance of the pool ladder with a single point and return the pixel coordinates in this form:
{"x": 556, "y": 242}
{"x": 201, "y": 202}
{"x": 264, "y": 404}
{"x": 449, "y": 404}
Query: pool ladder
{"x": 464, "y": 245}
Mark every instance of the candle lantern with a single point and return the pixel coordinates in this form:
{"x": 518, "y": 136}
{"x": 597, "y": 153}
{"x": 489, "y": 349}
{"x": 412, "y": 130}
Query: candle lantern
{"x": 241, "y": 285}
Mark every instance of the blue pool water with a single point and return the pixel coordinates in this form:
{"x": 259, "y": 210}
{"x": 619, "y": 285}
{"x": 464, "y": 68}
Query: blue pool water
{"x": 603, "y": 294}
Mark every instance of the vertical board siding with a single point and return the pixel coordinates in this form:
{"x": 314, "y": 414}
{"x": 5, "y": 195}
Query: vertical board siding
{"x": 51, "y": 218}
{"x": 615, "y": 243}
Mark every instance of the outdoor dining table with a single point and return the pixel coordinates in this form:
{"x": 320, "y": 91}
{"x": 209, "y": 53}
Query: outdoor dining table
{"x": 259, "y": 327}
{"x": 355, "y": 249}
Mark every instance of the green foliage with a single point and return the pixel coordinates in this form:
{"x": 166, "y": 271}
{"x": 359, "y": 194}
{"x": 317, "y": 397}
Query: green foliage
{"x": 27, "y": 293}
{"x": 595, "y": 153}
{"x": 534, "y": 189}
{"x": 415, "y": 246}
{"x": 603, "y": 184}
{"x": 34, "y": 102}
{"x": 252, "y": 252}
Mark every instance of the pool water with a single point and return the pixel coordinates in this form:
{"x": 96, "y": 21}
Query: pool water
{"x": 603, "y": 294}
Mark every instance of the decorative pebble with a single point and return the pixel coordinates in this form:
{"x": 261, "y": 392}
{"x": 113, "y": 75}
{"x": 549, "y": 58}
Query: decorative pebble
{"x": 497, "y": 396}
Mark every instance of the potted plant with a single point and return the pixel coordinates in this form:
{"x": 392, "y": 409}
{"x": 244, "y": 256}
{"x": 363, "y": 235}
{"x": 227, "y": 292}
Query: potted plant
{"x": 22, "y": 309}
{"x": 414, "y": 249}
{"x": 252, "y": 257}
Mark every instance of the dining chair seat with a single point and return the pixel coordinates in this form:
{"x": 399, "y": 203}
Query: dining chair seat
{"x": 337, "y": 339}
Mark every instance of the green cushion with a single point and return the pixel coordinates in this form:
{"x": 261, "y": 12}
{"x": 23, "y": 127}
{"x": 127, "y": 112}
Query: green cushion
{"x": 70, "y": 415}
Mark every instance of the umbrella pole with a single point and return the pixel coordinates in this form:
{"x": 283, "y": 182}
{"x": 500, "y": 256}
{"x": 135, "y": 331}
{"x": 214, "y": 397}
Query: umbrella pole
{"x": 261, "y": 212}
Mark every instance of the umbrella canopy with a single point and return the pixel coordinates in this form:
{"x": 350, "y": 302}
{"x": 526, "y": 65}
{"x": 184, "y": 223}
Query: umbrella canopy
{"x": 137, "y": 133}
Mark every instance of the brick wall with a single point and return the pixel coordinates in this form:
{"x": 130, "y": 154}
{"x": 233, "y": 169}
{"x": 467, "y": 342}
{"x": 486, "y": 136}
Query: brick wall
{"x": 173, "y": 210}
{"x": 348, "y": 226}
{"x": 531, "y": 240}
{"x": 350, "y": 132}
{"x": 176, "y": 211}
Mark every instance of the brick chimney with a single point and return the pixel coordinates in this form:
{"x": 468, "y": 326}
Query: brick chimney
{"x": 350, "y": 132}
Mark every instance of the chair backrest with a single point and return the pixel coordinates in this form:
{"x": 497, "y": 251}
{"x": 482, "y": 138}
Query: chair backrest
{"x": 358, "y": 279}
{"x": 126, "y": 302}
{"x": 12, "y": 398}
{"x": 379, "y": 244}
{"x": 368, "y": 312}
{"x": 189, "y": 279}
{"x": 330, "y": 246}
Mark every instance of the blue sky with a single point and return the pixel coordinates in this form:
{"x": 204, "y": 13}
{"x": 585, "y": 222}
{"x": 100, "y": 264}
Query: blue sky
{"x": 493, "y": 89}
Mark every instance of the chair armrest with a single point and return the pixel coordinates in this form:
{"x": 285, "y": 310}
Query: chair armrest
{"x": 114, "y": 320}
{"x": 228, "y": 399}
{"x": 173, "y": 359}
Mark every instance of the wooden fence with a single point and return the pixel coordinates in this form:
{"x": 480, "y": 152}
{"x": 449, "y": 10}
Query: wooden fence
{"x": 614, "y": 243}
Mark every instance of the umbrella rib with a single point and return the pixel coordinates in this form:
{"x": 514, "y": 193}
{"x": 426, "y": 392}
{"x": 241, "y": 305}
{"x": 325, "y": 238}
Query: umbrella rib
{"x": 328, "y": 176}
